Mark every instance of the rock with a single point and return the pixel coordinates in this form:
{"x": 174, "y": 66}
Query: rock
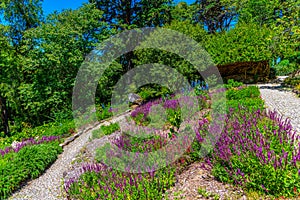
{"x": 134, "y": 106}
{"x": 15, "y": 144}
{"x": 135, "y": 99}
{"x": 281, "y": 78}
{"x": 247, "y": 72}
{"x": 295, "y": 74}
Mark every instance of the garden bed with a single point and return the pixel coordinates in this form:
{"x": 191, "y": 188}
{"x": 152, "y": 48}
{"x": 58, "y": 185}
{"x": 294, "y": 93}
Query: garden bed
{"x": 248, "y": 131}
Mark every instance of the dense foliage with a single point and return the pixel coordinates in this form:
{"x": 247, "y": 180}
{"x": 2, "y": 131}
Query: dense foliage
{"x": 41, "y": 55}
{"x": 28, "y": 163}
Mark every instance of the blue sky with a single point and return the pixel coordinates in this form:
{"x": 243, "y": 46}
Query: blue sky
{"x": 50, "y": 6}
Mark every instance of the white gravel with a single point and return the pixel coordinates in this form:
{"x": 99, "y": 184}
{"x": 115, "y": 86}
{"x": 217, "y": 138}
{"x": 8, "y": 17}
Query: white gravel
{"x": 284, "y": 102}
{"x": 48, "y": 185}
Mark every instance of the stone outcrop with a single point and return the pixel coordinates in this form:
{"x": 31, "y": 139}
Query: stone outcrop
{"x": 247, "y": 72}
{"x": 295, "y": 74}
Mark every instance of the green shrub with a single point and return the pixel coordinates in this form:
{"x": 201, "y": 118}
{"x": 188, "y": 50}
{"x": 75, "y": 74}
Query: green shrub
{"x": 107, "y": 130}
{"x": 28, "y": 163}
{"x": 250, "y": 103}
{"x": 233, "y": 84}
{"x": 52, "y": 129}
{"x": 247, "y": 92}
{"x": 292, "y": 81}
{"x": 96, "y": 134}
{"x": 109, "y": 183}
{"x": 103, "y": 112}
{"x": 153, "y": 91}
{"x": 285, "y": 68}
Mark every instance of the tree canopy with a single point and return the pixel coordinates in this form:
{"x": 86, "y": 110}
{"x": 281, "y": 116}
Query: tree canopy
{"x": 40, "y": 55}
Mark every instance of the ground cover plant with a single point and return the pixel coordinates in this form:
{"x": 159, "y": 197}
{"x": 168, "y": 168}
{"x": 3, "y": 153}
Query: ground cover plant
{"x": 63, "y": 129}
{"x": 26, "y": 155}
{"x": 100, "y": 182}
{"x": 26, "y": 163}
{"x": 126, "y": 185}
{"x": 171, "y": 104}
{"x": 259, "y": 152}
{"x": 294, "y": 83}
{"x": 17, "y": 146}
{"x": 105, "y": 130}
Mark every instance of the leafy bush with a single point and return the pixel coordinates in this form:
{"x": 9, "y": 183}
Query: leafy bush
{"x": 103, "y": 112}
{"x": 247, "y": 92}
{"x": 52, "y": 129}
{"x": 233, "y": 84}
{"x": 292, "y": 81}
{"x": 107, "y": 130}
{"x": 246, "y": 42}
{"x": 153, "y": 91}
{"x": 28, "y": 163}
{"x": 285, "y": 68}
{"x": 16, "y": 147}
{"x": 250, "y": 103}
{"x": 96, "y": 134}
{"x": 136, "y": 144}
{"x": 255, "y": 149}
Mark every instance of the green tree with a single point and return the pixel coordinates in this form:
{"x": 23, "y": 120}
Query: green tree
{"x": 182, "y": 11}
{"x": 129, "y": 14}
{"x": 246, "y": 42}
{"x": 21, "y": 15}
{"x": 135, "y": 13}
{"x": 61, "y": 44}
{"x": 18, "y": 17}
{"x": 215, "y": 15}
{"x": 283, "y": 17}
{"x": 195, "y": 31}
{"x": 6, "y": 55}
{"x": 38, "y": 72}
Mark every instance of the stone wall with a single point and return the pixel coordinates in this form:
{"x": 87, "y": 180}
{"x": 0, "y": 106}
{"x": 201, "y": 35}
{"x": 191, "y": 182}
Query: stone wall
{"x": 247, "y": 72}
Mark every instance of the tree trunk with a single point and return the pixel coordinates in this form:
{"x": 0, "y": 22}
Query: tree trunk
{"x": 4, "y": 115}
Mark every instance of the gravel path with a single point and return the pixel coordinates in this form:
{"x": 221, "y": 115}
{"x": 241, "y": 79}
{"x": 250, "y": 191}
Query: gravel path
{"x": 284, "y": 102}
{"x": 48, "y": 185}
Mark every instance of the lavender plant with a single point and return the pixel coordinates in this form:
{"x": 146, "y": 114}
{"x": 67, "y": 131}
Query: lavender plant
{"x": 258, "y": 151}
{"x": 97, "y": 181}
{"x": 19, "y": 145}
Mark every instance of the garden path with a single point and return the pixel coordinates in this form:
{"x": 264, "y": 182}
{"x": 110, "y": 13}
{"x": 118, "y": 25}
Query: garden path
{"x": 285, "y": 102}
{"x": 48, "y": 185}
